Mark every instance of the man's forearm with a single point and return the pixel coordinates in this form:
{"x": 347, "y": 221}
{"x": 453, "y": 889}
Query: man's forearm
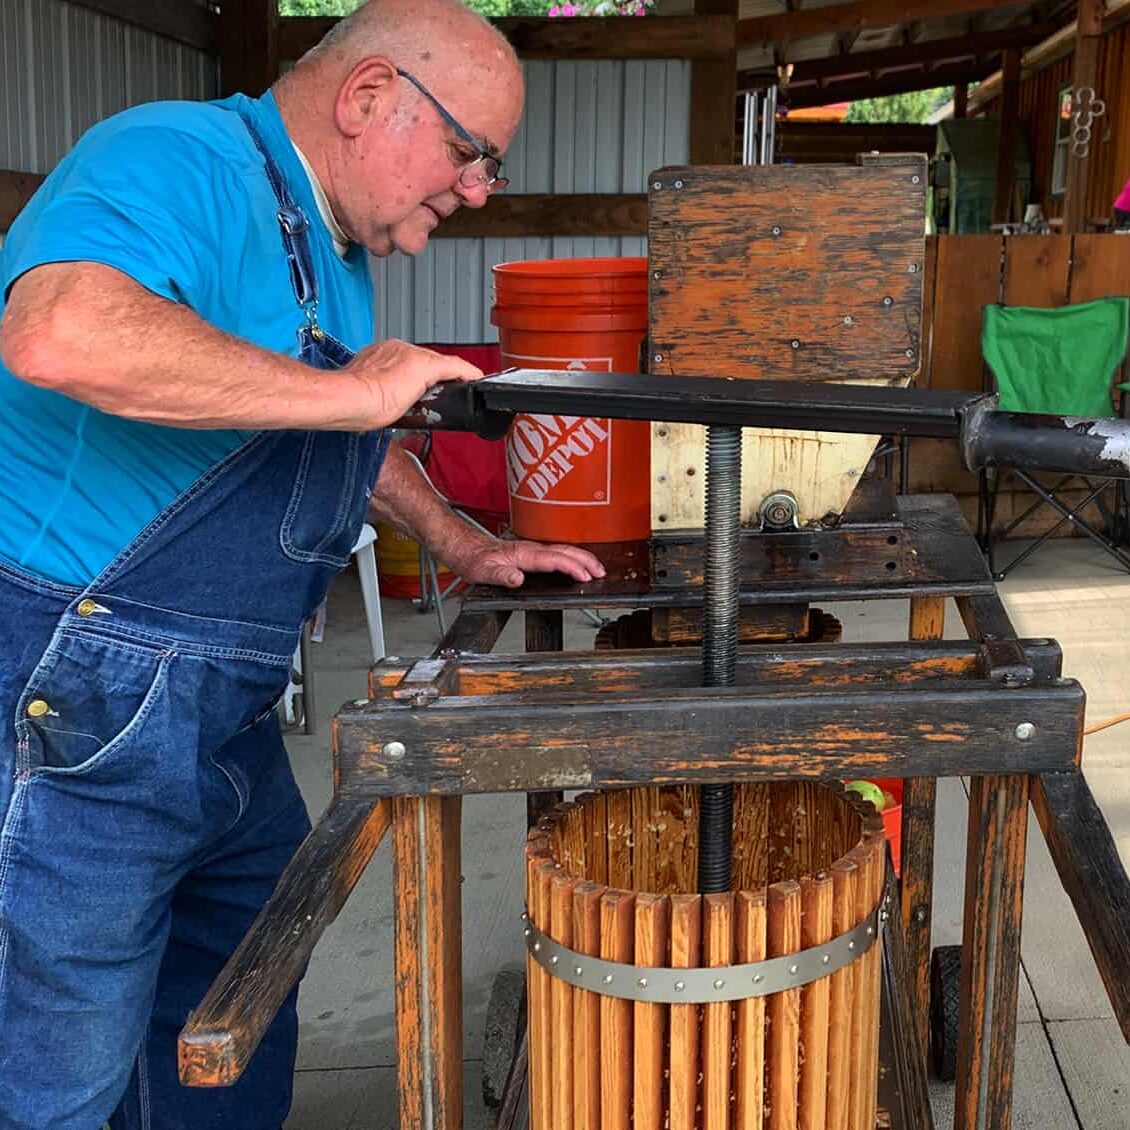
{"x": 92, "y": 333}
{"x": 404, "y": 498}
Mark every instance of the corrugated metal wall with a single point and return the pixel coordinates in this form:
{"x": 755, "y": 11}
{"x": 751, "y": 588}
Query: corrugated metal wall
{"x": 63, "y": 68}
{"x": 588, "y": 127}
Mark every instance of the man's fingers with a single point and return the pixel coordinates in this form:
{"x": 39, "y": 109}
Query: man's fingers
{"x": 582, "y": 558}
{"x": 441, "y": 368}
{"x": 568, "y": 559}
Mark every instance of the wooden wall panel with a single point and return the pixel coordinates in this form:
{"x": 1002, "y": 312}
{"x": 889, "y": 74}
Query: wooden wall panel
{"x": 1036, "y": 270}
{"x": 1100, "y": 266}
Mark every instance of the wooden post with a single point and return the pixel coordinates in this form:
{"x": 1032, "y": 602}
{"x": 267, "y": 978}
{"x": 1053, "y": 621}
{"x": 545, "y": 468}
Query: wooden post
{"x": 429, "y": 971}
{"x": 1089, "y": 27}
{"x": 927, "y": 622}
{"x": 714, "y": 93}
{"x": 1010, "y": 126}
{"x": 961, "y": 100}
{"x": 990, "y": 952}
{"x": 545, "y": 631}
{"x": 249, "y": 46}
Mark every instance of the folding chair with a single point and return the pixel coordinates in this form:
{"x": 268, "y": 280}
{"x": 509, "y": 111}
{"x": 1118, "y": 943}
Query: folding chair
{"x": 1060, "y": 362}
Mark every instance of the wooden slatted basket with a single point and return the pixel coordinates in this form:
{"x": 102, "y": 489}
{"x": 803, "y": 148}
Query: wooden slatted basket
{"x": 613, "y": 919}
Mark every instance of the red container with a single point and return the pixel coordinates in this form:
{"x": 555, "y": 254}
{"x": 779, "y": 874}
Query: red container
{"x": 574, "y": 478}
{"x": 892, "y": 817}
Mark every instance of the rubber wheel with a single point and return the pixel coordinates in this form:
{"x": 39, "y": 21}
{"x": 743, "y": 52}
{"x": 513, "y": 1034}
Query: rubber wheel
{"x": 945, "y": 999}
{"x": 506, "y": 1013}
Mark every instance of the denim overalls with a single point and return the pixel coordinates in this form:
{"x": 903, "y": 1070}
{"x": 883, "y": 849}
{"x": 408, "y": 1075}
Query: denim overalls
{"x": 146, "y": 799}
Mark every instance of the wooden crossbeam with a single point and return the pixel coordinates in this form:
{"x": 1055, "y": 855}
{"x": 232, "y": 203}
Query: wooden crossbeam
{"x": 15, "y": 191}
{"x": 179, "y": 20}
{"x": 544, "y": 214}
{"x": 614, "y": 37}
{"x": 929, "y": 51}
{"x": 900, "y": 83}
{"x": 846, "y": 17}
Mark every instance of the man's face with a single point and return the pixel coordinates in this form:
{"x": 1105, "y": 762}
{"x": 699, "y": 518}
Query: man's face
{"x": 403, "y": 171}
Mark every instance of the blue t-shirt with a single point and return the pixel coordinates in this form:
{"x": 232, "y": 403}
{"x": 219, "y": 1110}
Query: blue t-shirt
{"x": 175, "y": 195}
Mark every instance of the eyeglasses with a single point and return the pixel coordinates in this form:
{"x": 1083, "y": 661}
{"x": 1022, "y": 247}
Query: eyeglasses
{"x": 484, "y": 169}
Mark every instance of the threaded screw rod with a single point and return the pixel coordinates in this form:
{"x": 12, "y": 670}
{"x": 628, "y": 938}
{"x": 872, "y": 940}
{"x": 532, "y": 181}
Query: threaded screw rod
{"x": 720, "y": 636}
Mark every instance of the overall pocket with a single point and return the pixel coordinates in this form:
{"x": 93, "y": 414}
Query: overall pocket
{"x": 88, "y": 696}
{"x": 327, "y": 502}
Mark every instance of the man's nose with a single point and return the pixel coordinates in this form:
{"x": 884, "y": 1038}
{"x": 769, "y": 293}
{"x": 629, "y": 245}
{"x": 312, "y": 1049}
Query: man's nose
{"x": 475, "y": 196}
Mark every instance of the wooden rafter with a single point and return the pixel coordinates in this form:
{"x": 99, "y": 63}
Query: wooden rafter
{"x": 900, "y": 83}
{"x": 179, "y": 20}
{"x": 613, "y": 37}
{"x": 930, "y": 51}
{"x": 860, "y": 14}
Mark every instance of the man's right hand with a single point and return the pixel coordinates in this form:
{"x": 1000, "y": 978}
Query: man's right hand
{"x": 394, "y": 375}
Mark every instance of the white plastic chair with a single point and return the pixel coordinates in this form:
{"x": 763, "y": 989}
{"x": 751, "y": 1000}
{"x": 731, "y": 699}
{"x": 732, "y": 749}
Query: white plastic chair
{"x": 302, "y": 674}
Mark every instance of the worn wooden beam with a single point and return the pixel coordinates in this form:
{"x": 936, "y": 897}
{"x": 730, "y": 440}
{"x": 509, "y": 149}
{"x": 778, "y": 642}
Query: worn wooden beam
{"x": 429, "y": 973}
{"x": 249, "y": 46}
{"x": 1089, "y": 30}
{"x": 899, "y": 83}
{"x": 614, "y": 37}
{"x": 16, "y": 190}
{"x": 543, "y": 214}
{"x": 714, "y": 92}
{"x": 179, "y": 20}
{"x": 862, "y": 14}
{"x": 990, "y": 951}
{"x": 532, "y": 742}
{"x": 223, "y": 1031}
{"x": 927, "y": 622}
{"x": 1006, "y": 142}
{"x": 918, "y": 53}
{"x": 1092, "y": 874}
{"x": 701, "y": 36}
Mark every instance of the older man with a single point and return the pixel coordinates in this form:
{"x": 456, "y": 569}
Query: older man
{"x": 189, "y": 447}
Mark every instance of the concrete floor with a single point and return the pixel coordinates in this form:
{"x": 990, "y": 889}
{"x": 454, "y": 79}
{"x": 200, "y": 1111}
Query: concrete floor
{"x": 1073, "y": 1069}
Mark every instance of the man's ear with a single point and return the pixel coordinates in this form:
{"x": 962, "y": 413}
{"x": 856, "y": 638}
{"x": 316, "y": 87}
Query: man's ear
{"x": 364, "y": 92}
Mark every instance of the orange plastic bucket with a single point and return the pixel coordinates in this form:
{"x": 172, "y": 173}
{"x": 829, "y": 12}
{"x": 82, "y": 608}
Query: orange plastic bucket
{"x": 575, "y": 478}
{"x": 398, "y": 564}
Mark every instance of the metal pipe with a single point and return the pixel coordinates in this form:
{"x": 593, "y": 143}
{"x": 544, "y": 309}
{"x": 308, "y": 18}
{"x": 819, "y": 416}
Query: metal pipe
{"x": 749, "y": 128}
{"x": 1098, "y": 447}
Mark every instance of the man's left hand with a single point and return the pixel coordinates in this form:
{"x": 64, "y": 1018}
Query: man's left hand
{"x": 506, "y": 563}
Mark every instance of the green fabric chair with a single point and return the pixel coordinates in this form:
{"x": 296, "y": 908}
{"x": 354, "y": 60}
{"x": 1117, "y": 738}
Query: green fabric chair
{"x": 1061, "y": 362}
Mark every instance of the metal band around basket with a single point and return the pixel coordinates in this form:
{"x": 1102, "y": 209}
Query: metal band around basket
{"x": 703, "y": 985}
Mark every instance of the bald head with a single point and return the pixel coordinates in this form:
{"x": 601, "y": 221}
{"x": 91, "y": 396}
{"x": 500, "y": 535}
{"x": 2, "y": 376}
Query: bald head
{"x": 395, "y": 110}
{"x": 443, "y": 43}
{"x": 423, "y": 35}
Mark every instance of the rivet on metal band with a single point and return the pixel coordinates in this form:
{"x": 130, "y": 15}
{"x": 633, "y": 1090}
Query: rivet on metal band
{"x": 700, "y": 986}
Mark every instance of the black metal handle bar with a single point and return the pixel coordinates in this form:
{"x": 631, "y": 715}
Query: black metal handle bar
{"x": 987, "y": 437}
